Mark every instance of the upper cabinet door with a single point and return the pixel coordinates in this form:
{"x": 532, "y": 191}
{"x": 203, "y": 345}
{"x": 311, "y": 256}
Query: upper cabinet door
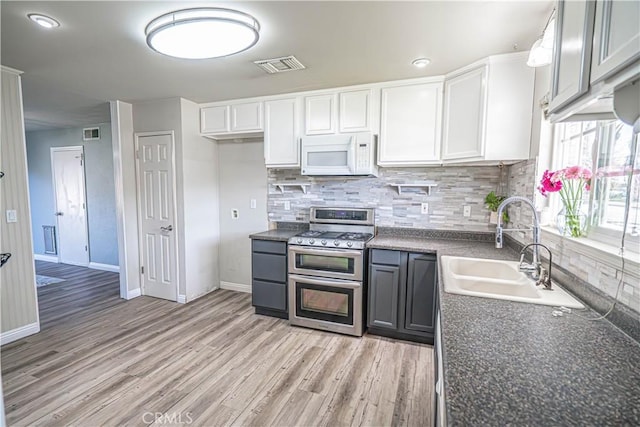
{"x": 320, "y": 114}
{"x": 410, "y": 128}
{"x": 355, "y": 111}
{"x": 465, "y": 99}
{"x": 572, "y": 52}
{"x": 246, "y": 117}
{"x": 214, "y": 119}
{"x": 616, "y": 40}
{"x": 281, "y": 136}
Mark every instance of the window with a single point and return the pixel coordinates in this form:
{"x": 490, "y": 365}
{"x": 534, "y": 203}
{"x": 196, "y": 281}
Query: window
{"x": 605, "y": 147}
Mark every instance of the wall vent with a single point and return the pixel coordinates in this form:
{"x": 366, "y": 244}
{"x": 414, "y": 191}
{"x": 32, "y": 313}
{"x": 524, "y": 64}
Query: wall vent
{"x": 280, "y": 65}
{"x": 90, "y": 134}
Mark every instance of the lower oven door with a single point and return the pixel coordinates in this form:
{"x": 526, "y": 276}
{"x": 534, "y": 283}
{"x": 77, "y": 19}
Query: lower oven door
{"x": 329, "y": 304}
{"x": 324, "y": 262}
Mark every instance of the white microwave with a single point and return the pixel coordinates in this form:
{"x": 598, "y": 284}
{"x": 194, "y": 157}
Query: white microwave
{"x": 340, "y": 154}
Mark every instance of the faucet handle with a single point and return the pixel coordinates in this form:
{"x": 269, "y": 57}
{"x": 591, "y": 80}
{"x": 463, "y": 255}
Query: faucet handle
{"x": 544, "y": 279}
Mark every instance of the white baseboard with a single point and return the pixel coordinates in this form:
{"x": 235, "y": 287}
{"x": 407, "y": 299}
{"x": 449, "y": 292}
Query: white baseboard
{"x": 182, "y": 299}
{"x": 134, "y": 293}
{"x": 238, "y": 287}
{"x": 21, "y": 332}
{"x": 104, "y": 267}
{"x": 47, "y": 258}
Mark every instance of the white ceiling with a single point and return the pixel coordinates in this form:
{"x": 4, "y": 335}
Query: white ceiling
{"x": 99, "y": 52}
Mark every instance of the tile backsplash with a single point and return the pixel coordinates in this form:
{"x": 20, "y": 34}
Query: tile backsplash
{"x": 457, "y": 187}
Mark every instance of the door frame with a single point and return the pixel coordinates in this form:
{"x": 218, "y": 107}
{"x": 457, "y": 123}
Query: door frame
{"x": 84, "y": 195}
{"x": 136, "y": 137}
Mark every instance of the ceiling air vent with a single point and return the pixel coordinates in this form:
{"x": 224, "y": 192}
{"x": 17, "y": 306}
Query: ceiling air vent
{"x": 279, "y": 65}
{"x": 90, "y": 134}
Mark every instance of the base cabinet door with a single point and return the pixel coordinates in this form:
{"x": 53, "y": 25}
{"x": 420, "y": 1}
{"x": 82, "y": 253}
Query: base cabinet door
{"x": 420, "y": 294}
{"x": 384, "y": 290}
{"x": 402, "y": 295}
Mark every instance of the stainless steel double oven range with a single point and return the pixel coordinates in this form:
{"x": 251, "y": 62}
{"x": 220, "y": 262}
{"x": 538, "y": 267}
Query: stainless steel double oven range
{"x": 327, "y": 270}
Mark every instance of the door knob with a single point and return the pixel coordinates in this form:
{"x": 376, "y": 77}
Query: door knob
{"x": 167, "y": 228}
{"x": 59, "y": 213}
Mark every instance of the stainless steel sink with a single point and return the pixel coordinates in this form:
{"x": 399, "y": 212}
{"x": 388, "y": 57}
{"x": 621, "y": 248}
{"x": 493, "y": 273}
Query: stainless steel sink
{"x": 490, "y": 278}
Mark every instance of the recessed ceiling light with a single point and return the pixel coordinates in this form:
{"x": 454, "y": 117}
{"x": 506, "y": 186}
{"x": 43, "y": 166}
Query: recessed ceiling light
{"x": 43, "y": 20}
{"x": 202, "y": 33}
{"x": 421, "y": 62}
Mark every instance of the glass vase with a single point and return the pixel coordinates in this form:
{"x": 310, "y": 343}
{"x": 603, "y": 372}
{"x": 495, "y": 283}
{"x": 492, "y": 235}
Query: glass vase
{"x": 572, "y": 222}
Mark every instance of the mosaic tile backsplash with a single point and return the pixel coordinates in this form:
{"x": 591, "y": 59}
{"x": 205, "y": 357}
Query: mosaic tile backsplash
{"x": 456, "y": 187}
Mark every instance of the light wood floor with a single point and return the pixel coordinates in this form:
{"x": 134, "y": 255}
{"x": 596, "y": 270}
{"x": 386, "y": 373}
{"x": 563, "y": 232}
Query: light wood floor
{"x": 100, "y": 360}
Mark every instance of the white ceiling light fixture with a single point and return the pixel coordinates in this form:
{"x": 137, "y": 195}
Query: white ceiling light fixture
{"x": 202, "y": 33}
{"x": 542, "y": 49}
{"x": 421, "y": 62}
{"x": 43, "y": 20}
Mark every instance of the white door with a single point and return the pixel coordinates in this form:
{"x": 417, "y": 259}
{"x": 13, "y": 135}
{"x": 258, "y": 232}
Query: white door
{"x": 67, "y": 165}
{"x": 156, "y": 215}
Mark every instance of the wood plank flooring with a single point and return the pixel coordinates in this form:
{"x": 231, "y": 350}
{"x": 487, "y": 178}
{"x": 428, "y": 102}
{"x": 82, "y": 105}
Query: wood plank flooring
{"x": 101, "y": 360}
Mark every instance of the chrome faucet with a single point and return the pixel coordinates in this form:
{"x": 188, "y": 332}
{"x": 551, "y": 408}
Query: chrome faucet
{"x": 535, "y": 228}
{"x": 543, "y": 276}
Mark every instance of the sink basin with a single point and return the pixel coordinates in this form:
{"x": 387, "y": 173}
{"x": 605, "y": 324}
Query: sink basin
{"x": 490, "y": 278}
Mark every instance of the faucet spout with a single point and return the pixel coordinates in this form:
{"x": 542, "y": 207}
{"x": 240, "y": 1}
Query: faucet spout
{"x": 535, "y": 227}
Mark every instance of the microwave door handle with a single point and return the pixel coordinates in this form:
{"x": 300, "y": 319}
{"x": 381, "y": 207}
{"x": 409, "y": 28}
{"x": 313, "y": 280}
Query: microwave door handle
{"x": 352, "y": 154}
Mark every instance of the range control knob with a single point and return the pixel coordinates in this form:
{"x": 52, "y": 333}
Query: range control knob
{"x": 311, "y": 241}
{"x": 299, "y": 240}
{"x": 324, "y": 242}
{"x": 349, "y": 244}
{"x": 336, "y": 242}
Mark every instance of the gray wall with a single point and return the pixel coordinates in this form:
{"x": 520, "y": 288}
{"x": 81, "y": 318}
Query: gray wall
{"x": 101, "y": 208}
{"x": 243, "y": 176}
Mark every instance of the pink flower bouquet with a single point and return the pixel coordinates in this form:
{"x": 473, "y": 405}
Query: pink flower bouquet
{"x": 570, "y": 182}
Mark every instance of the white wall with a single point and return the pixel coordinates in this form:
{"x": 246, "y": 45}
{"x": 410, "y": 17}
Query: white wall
{"x": 243, "y": 176}
{"x": 18, "y": 297}
{"x": 124, "y": 170}
{"x": 200, "y": 205}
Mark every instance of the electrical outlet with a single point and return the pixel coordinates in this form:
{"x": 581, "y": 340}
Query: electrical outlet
{"x": 12, "y": 216}
{"x": 235, "y": 214}
{"x": 253, "y": 203}
{"x": 287, "y": 205}
{"x": 424, "y": 208}
{"x": 466, "y": 211}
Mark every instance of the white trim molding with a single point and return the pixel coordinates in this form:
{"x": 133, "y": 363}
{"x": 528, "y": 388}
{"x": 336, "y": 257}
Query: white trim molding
{"x": 21, "y": 332}
{"x": 182, "y": 299}
{"x": 238, "y": 287}
{"x": 47, "y": 258}
{"x": 134, "y": 293}
{"x": 104, "y": 267}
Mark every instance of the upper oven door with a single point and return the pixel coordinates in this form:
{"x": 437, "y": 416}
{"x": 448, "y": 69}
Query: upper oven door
{"x": 336, "y": 263}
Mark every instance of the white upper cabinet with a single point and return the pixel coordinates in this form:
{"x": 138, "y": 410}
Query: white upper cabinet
{"x": 231, "y": 119}
{"x": 320, "y": 114}
{"x": 465, "y": 99}
{"x": 281, "y": 134}
{"x": 355, "y": 111}
{"x": 571, "y": 52}
{"x": 246, "y": 117}
{"x": 338, "y": 112}
{"x": 410, "y": 126}
{"x": 616, "y": 40}
{"x": 488, "y": 111}
{"x": 214, "y": 119}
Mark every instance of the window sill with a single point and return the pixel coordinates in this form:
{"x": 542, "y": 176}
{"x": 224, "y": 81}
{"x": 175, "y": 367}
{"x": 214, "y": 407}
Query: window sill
{"x": 602, "y": 252}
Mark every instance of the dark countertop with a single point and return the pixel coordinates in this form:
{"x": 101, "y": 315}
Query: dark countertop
{"x": 509, "y": 363}
{"x": 278, "y": 235}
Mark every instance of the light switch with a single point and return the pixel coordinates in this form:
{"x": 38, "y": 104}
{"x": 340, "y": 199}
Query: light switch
{"x": 287, "y": 205}
{"x": 12, "y": 216}
{"x": 253, "y": 203}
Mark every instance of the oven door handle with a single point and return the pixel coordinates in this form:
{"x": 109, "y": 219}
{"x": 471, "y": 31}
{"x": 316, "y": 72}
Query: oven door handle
{"x": 331, "y": 252}
{"x": 326, "y": 282}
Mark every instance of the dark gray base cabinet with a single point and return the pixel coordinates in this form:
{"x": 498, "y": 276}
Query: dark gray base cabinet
{"x": 269, "y": 278}
{"x": 402, "y": 295}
